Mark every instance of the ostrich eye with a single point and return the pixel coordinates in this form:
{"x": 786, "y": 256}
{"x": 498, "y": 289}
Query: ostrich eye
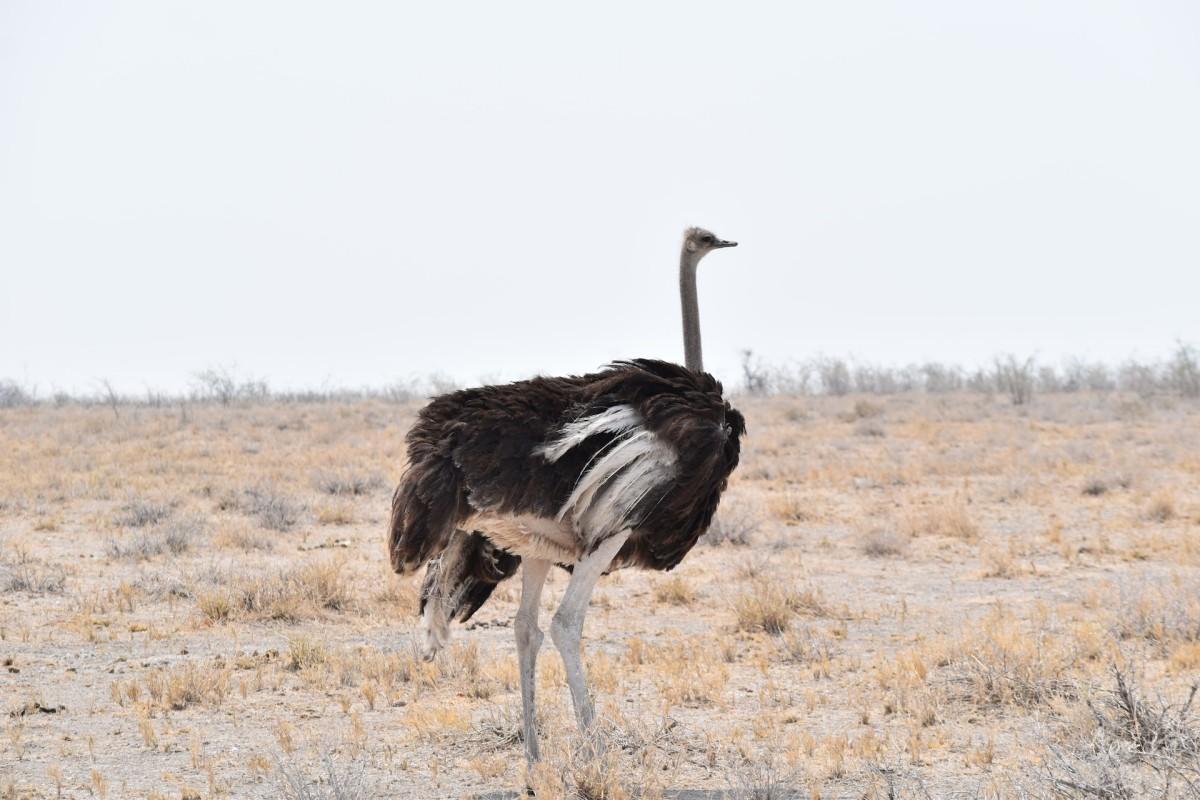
{"x": 707, "y": 238}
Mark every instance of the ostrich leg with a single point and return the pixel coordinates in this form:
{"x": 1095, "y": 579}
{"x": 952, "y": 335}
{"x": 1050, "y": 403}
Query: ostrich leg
{"x": 567, "y": 626}
{"x": 529, "y": 640}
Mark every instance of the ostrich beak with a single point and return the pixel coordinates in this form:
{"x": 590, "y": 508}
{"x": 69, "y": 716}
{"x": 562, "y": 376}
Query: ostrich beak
{"x": 726, "y": 243}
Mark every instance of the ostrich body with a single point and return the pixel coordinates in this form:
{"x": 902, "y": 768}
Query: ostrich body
{"x": 618, "y": 468}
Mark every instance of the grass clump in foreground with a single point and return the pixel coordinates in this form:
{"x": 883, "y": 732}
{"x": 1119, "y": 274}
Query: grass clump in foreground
{"x": 288, "y": 596}
{"x": 175, "y": 537}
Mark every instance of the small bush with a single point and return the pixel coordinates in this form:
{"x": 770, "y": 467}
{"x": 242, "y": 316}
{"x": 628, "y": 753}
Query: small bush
{"x": 1161, "y": 508}
{"x": 764, "y": 779}
{"x": 999, "y": 662}
{"x": 1126, "y": 747}
{"x": 948, "y": 519}
{"x": 290, "y": 596}
{"x": 33, "y": 577}
{"x": 801, "y": 645}
{"x": 274, "y": 510}
{"x": 346, "y": 780}
{"x": 674, "y": 590}
{"x": 242, "y": 537}
{"x": 735, "y": 524}
{"x": 139, "y": 514}
{"x": 305, "y": 652}
{"x": 769, "y": 605}
{"x": 348, "y": 483}
{"x": 174, "y": 537}
{"x": 1163, "y": 614}
{"x": 882, "y": 543}
{"x": 13, "y": 395}
{"x": 1015, "y": 378}
{"x": 188, "y": 685}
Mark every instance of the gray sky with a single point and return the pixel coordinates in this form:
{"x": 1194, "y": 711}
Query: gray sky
{"x": 349, "y": 193}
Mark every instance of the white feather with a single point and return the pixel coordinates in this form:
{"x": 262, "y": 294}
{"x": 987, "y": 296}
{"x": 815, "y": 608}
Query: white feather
{"x": 616, "y": 419}
{"x": 618, "y": 477}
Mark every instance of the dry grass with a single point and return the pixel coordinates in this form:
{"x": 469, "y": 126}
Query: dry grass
{"x": 349, "y": 483}
{"x": 999, "y": 662}
{"x": 689, "y": 673}
{"x": 972, "y": 602}
{"x": 675, "y": 590}
{"x": 173, "y": 537}
{"x": 139, "y": 513}
{"x": 949, "y": 518}
{"x": 1161, "y": 507}
{"x": 788, "y": 506}
{"x": 173, "y": 689}
{"x": 883, "y": 543}
{"x": 21, "y": 572}
{"x": 274, "y": 510}
{"x": 288, "y": 596}
{"x": 769, "y": 605}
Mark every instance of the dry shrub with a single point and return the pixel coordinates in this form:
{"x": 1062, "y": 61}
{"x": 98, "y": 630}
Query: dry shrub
{"x": 788, "y": 506}
{"x": 951, "y": 518}
{"x": 435, "y": 720}
{"x": 577, "y": 770}
{"x": 803, "y": 645}
{"x": 402, "y": 595}
{"x": 1125, "y": 746}
{"x": 273, "y": 509}
{"x": 752, "y": 567}
{"x": 1161, "y": 507}
{"x": 24, "y": 573}
{"x": 1163, "y": 614}
{"x": 177, "y": 688}
{"x": 338, "y": 513}
{"x": 581, "y": 775}
{"x": 882, "y": 543}
{"x": 499, "y": 728}
{"x": 175, "y": 537}
{"x": 770, "y": 605}
{"x": 687, "y": 672}
{"x": 764, "y": 777}
{"x": 140, "y": 513}
{"x": 1098, "y": 485}
{"x": 334, "y": 779}
{"x": 998, "y": 662}
{"x": 1185, "y": 658}
{"x": 674, "y": 590}
{"x": 870, "y": 429}
{"x": 736, "y": 523}
{"x": 1000, "y": 562}
{"x": 372, "y": 671}
{"x": 598, "y": 779}
{"x": 288, "y": 596}
{"x": 354, "y": 484}
{"x": 305, "y": 652}
{"x": 765, "y": 606}
{"x": 242, "y": 537}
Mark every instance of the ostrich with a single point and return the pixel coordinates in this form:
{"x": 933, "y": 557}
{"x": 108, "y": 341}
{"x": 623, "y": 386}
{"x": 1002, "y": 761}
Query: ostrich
{"x": 619, "y": 468}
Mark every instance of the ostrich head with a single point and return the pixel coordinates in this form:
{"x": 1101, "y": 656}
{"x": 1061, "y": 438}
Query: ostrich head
{"x": 700, "y": 242}
{"x": 697, "y": 243}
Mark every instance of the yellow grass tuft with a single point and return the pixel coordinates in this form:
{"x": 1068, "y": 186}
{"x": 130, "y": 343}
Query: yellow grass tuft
{"x": 950, "y": 518}
{"x": 675, "y": 590}
{"x": 293, "y": 595}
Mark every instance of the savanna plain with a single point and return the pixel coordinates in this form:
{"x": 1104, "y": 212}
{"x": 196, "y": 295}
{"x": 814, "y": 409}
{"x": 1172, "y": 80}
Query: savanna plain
{"x": 908, "y": 595}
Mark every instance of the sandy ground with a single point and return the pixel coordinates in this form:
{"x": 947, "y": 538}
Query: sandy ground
{"x": 922, "y": 596}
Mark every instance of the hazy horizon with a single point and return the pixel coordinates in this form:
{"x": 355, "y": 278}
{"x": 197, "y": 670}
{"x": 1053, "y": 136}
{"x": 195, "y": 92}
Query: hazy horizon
{"x": 355, "y": 195}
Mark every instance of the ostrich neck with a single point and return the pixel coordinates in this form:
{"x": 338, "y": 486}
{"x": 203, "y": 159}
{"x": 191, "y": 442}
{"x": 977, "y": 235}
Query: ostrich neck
{"x": 692, "y": 357}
